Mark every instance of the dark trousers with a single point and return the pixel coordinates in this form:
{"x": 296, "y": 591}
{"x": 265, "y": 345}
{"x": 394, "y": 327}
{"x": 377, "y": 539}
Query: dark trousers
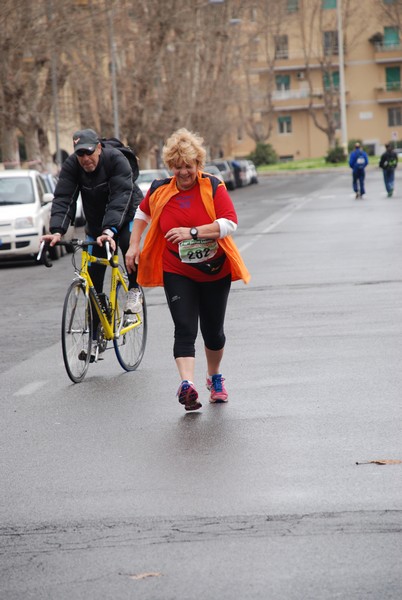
{"x": 389, "y": 179}
{"x": 97, "y": 272}
{"x": 190, "y": 301}
{"x": 358, "y": 181}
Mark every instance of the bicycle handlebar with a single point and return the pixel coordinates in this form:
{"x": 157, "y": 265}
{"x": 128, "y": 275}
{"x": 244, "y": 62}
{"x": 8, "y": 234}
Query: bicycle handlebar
{"x": 44, "y": 258}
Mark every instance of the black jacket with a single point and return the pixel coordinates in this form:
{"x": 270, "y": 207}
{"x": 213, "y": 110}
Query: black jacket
{"x": 389, "y": 160}
{"x": 109, "y": 196}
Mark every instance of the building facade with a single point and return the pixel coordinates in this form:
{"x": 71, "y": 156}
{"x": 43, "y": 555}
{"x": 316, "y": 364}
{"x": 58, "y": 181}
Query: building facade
{"x": 294, "y": 76}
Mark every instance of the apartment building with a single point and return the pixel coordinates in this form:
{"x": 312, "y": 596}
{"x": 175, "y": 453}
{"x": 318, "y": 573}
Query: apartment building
{"x": 296, "y": 76}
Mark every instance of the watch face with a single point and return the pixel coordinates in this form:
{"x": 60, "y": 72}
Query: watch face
{"x": 194, "y": 232}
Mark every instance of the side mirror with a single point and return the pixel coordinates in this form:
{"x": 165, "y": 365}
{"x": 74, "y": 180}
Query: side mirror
{"x": 48, "y": 197}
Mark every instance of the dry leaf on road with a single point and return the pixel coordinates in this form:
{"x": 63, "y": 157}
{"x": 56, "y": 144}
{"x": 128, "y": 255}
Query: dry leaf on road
{"x": 390, "y": 461}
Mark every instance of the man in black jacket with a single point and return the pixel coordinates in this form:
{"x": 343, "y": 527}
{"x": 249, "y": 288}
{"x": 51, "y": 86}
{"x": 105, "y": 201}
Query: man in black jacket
{"x": 388, "y": 163}
{"x": 110, "y": 198}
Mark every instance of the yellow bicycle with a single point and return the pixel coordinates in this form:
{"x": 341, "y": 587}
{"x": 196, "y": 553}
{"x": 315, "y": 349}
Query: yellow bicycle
{"x": 128, "y": 332}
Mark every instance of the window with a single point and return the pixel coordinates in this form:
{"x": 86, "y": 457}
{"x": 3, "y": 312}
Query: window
{"x": 395, "y": 117}
{"x": 330, "y": 42}
{"x": 393, "y": 78}
{"x": 285, "y": 124}
{"x": 282, "y": 82}
{"x": 281, "y": 46}
{"x": 329, "y": 3}
{"x": 391, "y": 36}
{"x": 331, "y": 80}
{"x": 293, "y": 6}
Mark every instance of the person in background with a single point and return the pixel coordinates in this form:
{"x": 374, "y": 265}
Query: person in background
{"x": 388, "y": 164}
{"x": 189, "y": 250}
{"x": 104, "y": 178}
{"x": 358, "y": 161}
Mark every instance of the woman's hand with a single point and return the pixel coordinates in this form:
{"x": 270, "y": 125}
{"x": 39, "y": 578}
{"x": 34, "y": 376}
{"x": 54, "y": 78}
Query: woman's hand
{"x": 132, "y": 257}
{"x": 178, "y": 234}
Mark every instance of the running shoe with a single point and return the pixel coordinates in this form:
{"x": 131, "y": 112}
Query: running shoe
{"x": 217, "y": 388}
{"x": 134, "y": 301}
{"x": 188, "y": 395}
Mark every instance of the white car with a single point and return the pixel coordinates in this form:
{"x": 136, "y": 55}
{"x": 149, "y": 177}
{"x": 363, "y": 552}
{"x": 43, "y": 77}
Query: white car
{"x": 25, "y": 207}
{"x": 213, "y": 170}
{"x": 147, "y": 176}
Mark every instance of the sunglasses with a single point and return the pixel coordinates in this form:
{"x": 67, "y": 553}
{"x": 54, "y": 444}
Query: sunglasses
{"x": 85, "y": 152}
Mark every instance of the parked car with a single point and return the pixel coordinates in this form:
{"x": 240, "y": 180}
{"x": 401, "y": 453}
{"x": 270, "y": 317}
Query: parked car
{"x": 25, "y": 206}
{"x": 147, "y": 176}
{"x": 253, "y": 171}
{"x": 50, "y": 182}
{"x": 213, "y": 170}
{"x": 227, "y": 173}
{"x": 245, "y": 174}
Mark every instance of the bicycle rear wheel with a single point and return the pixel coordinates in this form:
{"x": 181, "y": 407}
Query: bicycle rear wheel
{"x": 130, "y": 347}
{"x": 76, "y": 332}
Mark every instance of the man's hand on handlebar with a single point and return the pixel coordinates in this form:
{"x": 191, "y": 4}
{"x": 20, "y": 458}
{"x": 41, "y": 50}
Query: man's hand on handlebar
{"x": 106, "y": 238}
{"x": 51, "y": 238}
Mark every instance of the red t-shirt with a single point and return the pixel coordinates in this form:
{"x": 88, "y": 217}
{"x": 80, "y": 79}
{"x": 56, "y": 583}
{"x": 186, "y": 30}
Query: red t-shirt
{"x": 186, "y": 209}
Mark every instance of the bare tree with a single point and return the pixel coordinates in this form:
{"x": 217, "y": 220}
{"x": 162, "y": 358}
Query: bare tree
{"x": 319, "y": 42}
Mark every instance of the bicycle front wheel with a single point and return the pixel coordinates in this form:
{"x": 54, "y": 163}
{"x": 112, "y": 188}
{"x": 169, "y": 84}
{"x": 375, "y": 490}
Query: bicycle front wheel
{"x": 76, "y": 332}
{"x": 129, "y": 346}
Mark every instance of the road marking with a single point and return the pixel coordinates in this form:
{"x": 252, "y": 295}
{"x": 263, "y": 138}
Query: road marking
{"x": 273, "y": 221}
{"x": 30, "y": 388}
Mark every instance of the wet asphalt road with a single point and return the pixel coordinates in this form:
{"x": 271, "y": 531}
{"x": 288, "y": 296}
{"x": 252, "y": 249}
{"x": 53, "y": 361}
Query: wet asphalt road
{"x": 110, "y": 491}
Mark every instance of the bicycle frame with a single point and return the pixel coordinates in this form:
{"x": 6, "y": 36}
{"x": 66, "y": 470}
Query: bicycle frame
{"x": 117, "y": 278}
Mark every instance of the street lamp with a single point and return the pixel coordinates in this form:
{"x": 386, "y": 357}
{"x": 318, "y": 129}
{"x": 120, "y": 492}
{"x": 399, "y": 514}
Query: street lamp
{"x": 342, "y": 93}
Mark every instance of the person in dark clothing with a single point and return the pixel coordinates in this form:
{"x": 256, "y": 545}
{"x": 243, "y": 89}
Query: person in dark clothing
{"x": 388, "y": 164}
{"x": 110, "y": 198}
{"x": 358, "y": 161}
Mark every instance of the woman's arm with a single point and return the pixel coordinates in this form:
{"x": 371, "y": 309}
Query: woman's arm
{"x": 133, "y": 253}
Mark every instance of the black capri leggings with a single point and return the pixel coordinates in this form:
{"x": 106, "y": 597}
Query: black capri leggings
{"x": 189, "y": 301}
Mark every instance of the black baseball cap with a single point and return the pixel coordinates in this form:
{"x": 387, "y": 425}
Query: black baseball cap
{"x": 85, "y": 139}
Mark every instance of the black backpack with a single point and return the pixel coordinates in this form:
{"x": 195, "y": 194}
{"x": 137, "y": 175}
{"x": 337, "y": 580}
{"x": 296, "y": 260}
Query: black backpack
{"x": 126, "y": 150}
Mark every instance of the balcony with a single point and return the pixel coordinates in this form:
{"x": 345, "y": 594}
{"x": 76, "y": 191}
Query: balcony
{"x": 294, "y": 62}
{"x": 387, "y": 53}
{"x": 298, "y": 99}
{"x": 389, "y": 92}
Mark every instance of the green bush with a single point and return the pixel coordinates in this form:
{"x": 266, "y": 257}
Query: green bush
{"x": 335, "y": 155}
{"x": 264, "y": 154}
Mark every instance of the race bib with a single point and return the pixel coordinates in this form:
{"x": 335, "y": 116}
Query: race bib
{"x": 197, "y": 251}
{"x": 360, "y": 160}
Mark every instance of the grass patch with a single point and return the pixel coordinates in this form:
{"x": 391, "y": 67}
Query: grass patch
{"x": 309, "y": 163}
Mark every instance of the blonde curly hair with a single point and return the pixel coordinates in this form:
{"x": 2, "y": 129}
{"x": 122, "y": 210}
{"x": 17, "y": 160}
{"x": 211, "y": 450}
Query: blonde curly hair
{"x": 184, "y": 146}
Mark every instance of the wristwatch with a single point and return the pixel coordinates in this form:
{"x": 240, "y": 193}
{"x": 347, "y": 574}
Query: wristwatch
{"x": 194, "y": 233}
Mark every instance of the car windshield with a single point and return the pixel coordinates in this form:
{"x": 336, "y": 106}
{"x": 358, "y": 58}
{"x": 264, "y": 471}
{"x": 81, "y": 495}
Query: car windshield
{"x": 16, "y": 190}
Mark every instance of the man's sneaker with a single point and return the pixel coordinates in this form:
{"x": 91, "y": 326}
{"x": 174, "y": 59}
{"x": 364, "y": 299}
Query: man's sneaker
{"x": 133, "y": 302}
{"x": 216, "y": 386}
{"x": 94, "y": 353}
{"x": 188, "y": 395}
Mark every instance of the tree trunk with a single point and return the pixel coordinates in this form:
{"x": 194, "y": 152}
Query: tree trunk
{"x": 9, "y": 146}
